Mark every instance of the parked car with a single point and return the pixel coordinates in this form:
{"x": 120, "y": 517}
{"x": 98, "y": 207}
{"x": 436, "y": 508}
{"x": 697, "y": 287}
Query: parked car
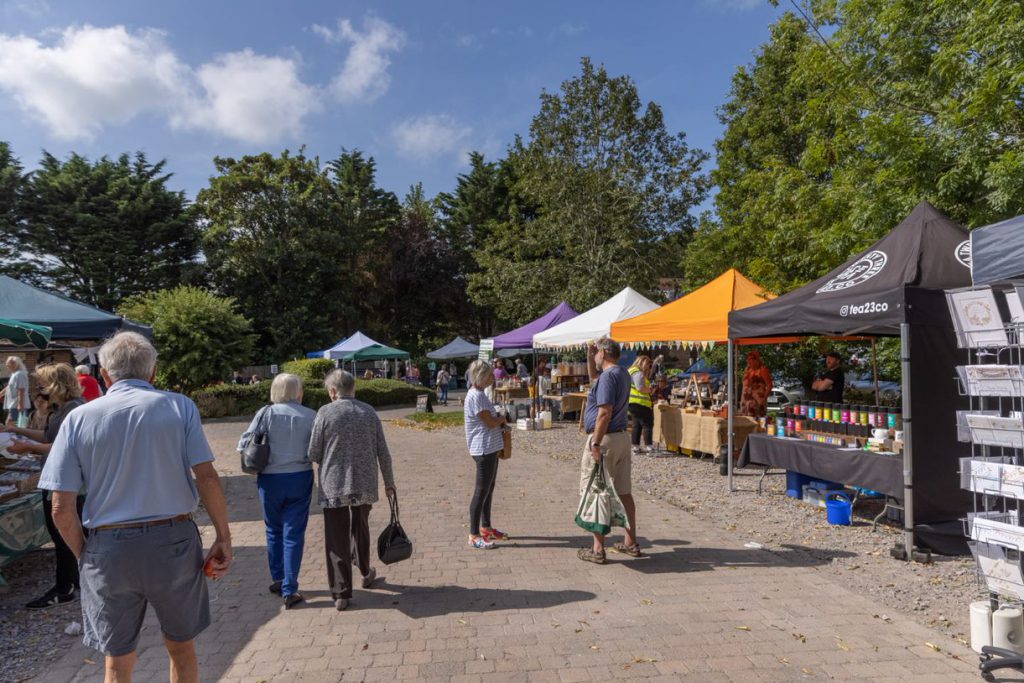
{"x": 783, "y": 396}
{"x": 888, "y": 390}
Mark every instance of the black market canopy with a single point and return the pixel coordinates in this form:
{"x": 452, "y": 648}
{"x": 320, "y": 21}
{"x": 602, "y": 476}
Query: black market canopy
{"x": 894, "y": 288}
{"x": 997, "y": 252}
{"x": 876, "y": 290}
{"x": 69, "y": 319}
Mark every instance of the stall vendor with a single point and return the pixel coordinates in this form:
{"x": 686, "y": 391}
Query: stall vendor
{"x": 757, "y": 385}
{"x": 661, "y": 390}
{"x": 830, "y": 384}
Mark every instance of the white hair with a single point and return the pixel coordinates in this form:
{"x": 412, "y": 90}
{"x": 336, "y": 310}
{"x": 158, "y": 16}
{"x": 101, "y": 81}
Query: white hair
{"x": 128, "y": 355}
{"x": 342, "y": 381}
{"x": 82, "y": 369}
{"x": 19, "y": 364}
{"x": 479, "y": 372}
{"x": 286, "y": 388}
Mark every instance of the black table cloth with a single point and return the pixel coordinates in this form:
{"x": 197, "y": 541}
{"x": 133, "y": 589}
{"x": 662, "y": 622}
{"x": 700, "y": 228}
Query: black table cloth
{"x": 882, "y": 473}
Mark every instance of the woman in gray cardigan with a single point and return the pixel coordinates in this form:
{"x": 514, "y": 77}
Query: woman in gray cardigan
{"x": 348, "y": 446}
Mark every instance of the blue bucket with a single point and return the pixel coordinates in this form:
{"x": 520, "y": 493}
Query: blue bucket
{"x": 839, "y": 509}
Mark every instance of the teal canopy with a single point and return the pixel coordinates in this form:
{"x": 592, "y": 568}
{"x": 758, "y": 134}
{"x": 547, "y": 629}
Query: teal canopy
{"x": 374, "y": 352}
{"x": 24, "y": 334}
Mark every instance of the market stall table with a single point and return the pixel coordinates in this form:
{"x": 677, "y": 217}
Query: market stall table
{"x": 568, "y": 403}
{"x": 507, "y": 393}
{"x": 22, "y": 528}
{"x": 679, "y": 429}
{"x": 853, "y": 467}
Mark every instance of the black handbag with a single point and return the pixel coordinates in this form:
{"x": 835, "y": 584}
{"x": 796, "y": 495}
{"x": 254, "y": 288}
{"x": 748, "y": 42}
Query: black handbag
{"x": 393, "y": 545}
{"x": 256, "y": 453}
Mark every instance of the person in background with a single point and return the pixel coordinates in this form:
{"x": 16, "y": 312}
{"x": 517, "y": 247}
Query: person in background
{"x": 286, "y": 484}
{"x": 500, "y": 374}
{"x": 60, "y": 385}
{"x": 255, "y": 379}
{"x": 605, "y": 421}
{"x": 443, "y": 378}
{"x": 484, "y": 427}
{"x": 90, "y": 387}
{"x": 640, "y": 404}
{"x": 237, "y": 378}
{"x": 658, "y": 366}
{"x": 368, "y": 374}
{"x": 143, "y": 457}
{"x": 662, "y": 391}
{"x": 757, "y": 385}
{"x": 831, "y": 383}
{"x": 348, "y": 446}
{"x": 538, "y": 384}
{"x": 41, "y": 414}
{"x": 15, "y": 394}
{"x": 521, "y": 371}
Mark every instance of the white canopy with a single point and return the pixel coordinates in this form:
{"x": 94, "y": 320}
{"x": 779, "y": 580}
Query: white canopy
{"x": 595, "y": 323}
{"x": 357, "y": 342}
{"x": 456, "y": 348}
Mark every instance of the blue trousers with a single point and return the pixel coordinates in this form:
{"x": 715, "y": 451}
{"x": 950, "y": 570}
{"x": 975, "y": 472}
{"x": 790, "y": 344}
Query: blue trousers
{"x": 442, "y": 393}
{"x": 285, "y": 499}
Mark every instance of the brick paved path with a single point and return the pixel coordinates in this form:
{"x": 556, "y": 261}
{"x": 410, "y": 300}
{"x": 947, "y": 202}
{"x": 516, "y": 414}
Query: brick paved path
{"x": 700, "y": 607}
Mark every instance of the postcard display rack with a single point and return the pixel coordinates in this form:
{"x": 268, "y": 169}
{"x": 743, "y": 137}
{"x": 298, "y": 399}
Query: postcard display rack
{"x": 990, "y": 329}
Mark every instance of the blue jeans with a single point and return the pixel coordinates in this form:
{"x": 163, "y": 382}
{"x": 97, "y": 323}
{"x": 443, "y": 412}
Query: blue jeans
{"x": 442, "y": 392}
{"x": 285, "y": 499}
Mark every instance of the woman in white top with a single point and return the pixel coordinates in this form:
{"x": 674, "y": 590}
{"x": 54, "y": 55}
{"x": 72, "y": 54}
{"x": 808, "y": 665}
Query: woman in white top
{"x": 15, "y": 394}
{"x": 483, "y": 436}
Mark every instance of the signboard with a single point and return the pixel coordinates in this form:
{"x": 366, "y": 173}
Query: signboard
{"x": 486, "y": 349}
{"x": 274, "y": 370}
{"x": 423, "y": 404}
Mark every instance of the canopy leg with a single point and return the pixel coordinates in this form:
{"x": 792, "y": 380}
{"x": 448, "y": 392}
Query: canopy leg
{"x": 731, "y": 390}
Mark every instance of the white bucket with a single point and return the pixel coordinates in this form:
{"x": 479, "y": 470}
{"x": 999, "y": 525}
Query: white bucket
{"x": 981, "y": 624}
{"x": 545, "y": 418}
{"x": 1008, "y": 628}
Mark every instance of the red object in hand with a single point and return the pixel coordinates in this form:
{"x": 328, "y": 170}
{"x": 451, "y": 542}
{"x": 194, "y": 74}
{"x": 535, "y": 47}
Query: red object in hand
{"x": 208, "y": 568}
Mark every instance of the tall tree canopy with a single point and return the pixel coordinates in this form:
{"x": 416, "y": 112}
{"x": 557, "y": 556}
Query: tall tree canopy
{"x": 598, "y": 191}
{"x": 853, "y": 113}
{"x": 99, "y": 231}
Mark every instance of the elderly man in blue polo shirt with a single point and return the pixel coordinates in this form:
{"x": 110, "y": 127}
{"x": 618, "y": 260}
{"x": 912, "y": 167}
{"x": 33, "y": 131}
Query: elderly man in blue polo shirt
{"x": 605, "y": 419}
{"x": 144, "y": 461}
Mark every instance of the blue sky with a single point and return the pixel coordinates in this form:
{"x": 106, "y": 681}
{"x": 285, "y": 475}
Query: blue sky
{"x": 414, "y": 84}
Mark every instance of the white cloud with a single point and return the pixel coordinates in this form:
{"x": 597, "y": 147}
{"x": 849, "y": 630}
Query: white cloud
{"x": 569, "y": 30}
{"x": 426, "y": 137}
{"x": 90, "y": 77}
{"x": 739, "y": 5}
{"x": 364, "y": 75}
{"x": 249, "y": 97}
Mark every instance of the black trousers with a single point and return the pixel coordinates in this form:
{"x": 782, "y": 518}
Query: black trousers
{"x": 67, "y": 564}
{"x": 483, "y": 492}
{"x": 643, "y": 420}
{"x": 347, "y": 532}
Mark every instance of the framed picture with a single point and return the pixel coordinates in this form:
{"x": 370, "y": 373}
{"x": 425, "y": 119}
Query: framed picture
{"x": 1013, "y": 301}
{"x": 976, "y": 318}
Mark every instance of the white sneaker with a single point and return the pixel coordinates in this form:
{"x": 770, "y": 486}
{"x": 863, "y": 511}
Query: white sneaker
{"x": 636, "y": 450}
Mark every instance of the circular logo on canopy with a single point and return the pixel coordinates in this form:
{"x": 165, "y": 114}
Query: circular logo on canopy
{"x": 963, "y": 253}
{"x": 859, "y": 272}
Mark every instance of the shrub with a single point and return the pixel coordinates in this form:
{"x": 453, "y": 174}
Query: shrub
{"x": 229, "y": 400}
{"x": 200, "y": 336}
{"x": 309, "y": 369}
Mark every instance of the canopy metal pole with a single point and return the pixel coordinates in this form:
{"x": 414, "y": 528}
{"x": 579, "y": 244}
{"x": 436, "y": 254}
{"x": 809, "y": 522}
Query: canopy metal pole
{"x": 731, "y": 389}
{"x": 908, "y": 451}
{"x": 874, "y": 370}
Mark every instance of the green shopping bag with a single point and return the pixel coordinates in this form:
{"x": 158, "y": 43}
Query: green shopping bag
{"x": 600, "y": 508}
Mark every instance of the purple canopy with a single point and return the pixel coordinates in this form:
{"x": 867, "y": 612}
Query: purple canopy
{"x": 522, "y": 337}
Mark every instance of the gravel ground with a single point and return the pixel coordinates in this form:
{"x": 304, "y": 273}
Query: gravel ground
{"x": 29, "y": 640}
{"x": 936, "y": 595}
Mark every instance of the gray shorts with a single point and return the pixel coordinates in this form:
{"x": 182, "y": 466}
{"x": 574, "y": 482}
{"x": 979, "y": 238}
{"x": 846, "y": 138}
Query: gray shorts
{"x": 124, "y": 570}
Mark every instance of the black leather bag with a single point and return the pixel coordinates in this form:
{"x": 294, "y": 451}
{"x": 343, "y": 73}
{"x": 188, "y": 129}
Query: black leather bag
{"x": 256, "y": 454}
{"x": 393, "y": 545}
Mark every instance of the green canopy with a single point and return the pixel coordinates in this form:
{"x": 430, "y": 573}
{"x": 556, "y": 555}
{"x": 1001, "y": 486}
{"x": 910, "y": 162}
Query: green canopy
{"x": 24, "y": 334}
{"x": 374, "y": 352}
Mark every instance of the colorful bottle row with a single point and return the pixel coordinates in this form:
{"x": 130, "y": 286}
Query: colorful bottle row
{"x": 847, "y": 414}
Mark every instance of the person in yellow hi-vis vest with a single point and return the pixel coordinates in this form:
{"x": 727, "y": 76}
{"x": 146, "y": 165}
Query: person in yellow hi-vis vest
{"x": 640, "y": 404}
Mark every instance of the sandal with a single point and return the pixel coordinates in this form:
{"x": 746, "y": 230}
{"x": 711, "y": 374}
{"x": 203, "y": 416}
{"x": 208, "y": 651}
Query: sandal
{"x": 588, "y": 555}
{"x": 631, "y": 550}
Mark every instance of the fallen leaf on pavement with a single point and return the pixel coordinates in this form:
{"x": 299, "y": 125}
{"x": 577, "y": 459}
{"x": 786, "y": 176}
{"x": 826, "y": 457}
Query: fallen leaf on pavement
{"x": 742, "y": 628}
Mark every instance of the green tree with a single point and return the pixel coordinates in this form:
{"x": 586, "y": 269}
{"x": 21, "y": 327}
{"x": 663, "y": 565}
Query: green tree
{"x": 106, "y": 230}
{"x": 469, "y": 218}
{"x": 272, "y": 243}
{"x": 853, "y": 113}
{"x": 598, "y": 189}
{"x": 12, "y": 183}
{"x": 200, "y": 337}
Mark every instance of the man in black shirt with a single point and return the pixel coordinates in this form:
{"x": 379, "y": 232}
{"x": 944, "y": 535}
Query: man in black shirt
{"x": 831, "y": 383}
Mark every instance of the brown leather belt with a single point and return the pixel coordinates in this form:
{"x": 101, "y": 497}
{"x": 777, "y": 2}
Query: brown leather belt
{"x": 145, "y": 525}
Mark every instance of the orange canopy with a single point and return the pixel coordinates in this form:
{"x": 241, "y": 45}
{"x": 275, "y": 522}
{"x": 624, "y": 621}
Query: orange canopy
{"x": 700, "y": 317}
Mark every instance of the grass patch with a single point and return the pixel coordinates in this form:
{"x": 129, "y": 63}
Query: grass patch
{"x": 436, "y": 420}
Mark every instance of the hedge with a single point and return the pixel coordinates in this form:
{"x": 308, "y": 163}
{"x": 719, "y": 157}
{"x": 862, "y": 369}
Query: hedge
{"x": 309, "y": 369}
{"x": 228, "y": 400}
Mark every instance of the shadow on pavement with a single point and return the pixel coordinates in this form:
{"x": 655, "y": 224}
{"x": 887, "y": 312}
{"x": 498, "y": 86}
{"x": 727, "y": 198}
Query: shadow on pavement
{"x": 579, "y": 541}
{"x": 420, "y": 602}
{"x": 686, "y": 560}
